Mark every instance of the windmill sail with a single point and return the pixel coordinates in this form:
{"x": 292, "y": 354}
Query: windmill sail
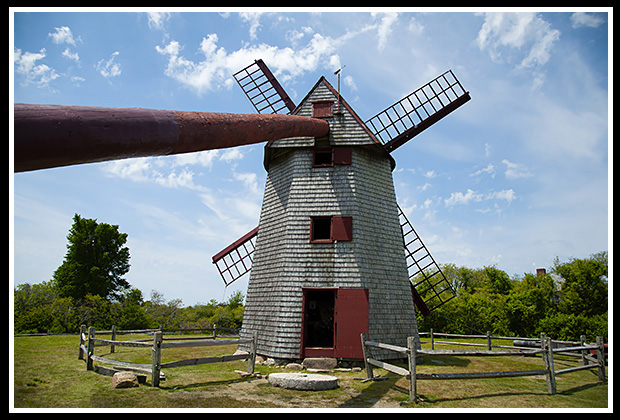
{"x": 429, "y": 285}
{"x": 422, "y": 108}
{"x": 236, "y": 259}
{"x": 263, "y": 90}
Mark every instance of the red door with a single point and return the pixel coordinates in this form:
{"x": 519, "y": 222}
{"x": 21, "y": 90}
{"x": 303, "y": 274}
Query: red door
{"x": 350, "y": 320}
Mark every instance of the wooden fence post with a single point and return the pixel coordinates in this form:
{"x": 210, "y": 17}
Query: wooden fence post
{"x": 548, "y": 357}
{"x": 584, "y": 360}
{"x": 253, "y": 346}
{"x": 81, "y": 350}
{"x": 113, "y": 338}
{"x": 600, "y": 356}
{"x": 156, "y": 358}
{"x": 489, "y": 341}
{"x": 411, "y": 354}
{"x": 90, "y": 348}
{"x": 369, "y": 373}
{"x": 432, "y": 340}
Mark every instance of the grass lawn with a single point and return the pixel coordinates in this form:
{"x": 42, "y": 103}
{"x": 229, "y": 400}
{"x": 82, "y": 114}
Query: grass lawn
{"x": 48, "y": 374}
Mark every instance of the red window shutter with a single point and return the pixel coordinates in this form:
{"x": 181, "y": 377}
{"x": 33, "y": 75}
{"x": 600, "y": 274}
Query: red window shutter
{"x": 322, "y": 109}
{"x": 342, "y": 156}
{"x": 342, "y": 228}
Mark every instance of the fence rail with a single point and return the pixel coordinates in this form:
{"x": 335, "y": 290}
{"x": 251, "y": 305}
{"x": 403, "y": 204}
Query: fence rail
{"x": 546, "y": 350}
{"x": 88, "y": 342}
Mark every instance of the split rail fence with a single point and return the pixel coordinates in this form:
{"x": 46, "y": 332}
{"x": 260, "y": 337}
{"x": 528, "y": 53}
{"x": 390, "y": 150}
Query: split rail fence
{"x": 88, "y": 342}
{"x": 547, "y": 349}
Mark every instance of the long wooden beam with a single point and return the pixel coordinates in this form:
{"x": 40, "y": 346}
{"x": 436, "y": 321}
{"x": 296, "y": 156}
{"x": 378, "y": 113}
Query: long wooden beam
{"x": 47, "y": 136}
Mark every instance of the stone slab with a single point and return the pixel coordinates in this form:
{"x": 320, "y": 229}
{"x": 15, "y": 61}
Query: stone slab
{"x": 320, "y": 362}
{"x": 303, "y": 381}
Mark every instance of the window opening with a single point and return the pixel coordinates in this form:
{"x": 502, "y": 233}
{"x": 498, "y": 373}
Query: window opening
{"x": 321, "y": 229}
{"x": 323, "y": 157}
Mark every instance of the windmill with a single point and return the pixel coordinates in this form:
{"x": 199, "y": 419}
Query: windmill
{"x": 334, "y": 255}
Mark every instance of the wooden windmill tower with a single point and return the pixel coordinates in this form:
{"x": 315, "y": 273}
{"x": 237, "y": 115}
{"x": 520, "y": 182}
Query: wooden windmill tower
{"x": 333, "y": 255}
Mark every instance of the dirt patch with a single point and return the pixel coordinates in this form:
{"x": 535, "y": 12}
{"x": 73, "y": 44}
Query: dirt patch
{"x": 257, "y": 392}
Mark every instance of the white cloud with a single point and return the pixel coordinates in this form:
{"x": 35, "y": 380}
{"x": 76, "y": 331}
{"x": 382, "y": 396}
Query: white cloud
{"x": 460, "y": 198}
{"x": 38, "y": 74}
{"x": 415, "y": 26}
{"x": 215, "y": 70}
{"x": 487, "y": 149}
{"x": 62, "y": 35}
{"x": 157, "y": 20}
{"x": 516, "y": 170}
{"x": 164, "y": 172}
{"x": 384, "y": 27}
{"x": 250, "y": 181}
{"x": 591, "y": 20}
{"x": 503, "y": 34}
{"x": 151, "y": 170}
{"x": 490, "y": 169}
{"x": 71, "y": 56}
{"x": 204, "y": 158}
{"x": 253, "y": 18}
{"x": 507, "y": 195}
{"x": 294, "y": 36}
{"x": 230, "y": 155}
{"x": 109, "y": 68}
{"x": 348, "y": 81}
{"x": 136, "y": 170}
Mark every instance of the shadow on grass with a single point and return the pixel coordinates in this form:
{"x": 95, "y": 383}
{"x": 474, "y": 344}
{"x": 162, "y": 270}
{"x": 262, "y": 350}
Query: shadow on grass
{"x": 370, "y": 395}
{"x": 444, "y": 361}
{"x": 206, "y": 384}
{"x": 542, "y": 393}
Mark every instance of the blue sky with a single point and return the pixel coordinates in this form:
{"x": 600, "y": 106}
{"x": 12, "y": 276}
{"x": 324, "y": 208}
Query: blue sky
{"x": 514, "y": 178}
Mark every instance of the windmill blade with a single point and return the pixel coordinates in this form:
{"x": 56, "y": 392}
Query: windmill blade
{"x": 429, "y": 286}
{"x": 263, "y": 90}
{"x": 236, "y": 259}
{"x": 422, "y": 108}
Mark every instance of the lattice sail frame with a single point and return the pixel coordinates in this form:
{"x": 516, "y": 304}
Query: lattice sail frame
{"x": 263, "y": 90}
{"x": 417, "y": 111}
{"x": 236, "y": 259}
{"x": 430, "y": 287}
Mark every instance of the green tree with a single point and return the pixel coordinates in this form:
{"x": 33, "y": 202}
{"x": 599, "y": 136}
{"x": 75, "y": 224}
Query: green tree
{"x": 129, "y": 313}
{"x": 96, "y": 261}
{"x": 168, "y": 315}
{"x": 31, "y": 307}
{"x": 93, "y": 310}
{"x": 531, "y": 300}
{"x": 584, "y": 289}
{"x": 497, "y": 281}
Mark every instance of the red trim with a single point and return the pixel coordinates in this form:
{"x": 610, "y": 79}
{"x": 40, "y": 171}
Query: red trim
{"x": 235, "y": 244}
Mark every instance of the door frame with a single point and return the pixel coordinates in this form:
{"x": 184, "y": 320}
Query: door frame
{"x": 314, "y": 351}
{"x": 345, "y": 342}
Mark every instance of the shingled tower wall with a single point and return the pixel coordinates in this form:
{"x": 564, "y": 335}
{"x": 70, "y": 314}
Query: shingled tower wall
{"x": 285, "y": 261}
